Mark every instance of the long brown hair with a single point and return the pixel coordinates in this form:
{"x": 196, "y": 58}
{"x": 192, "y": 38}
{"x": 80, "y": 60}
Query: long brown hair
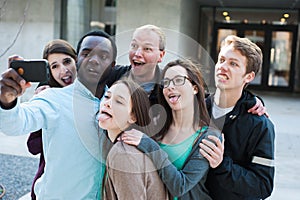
{"x": 58, "y": 46}
{"x": 201, "y": 117}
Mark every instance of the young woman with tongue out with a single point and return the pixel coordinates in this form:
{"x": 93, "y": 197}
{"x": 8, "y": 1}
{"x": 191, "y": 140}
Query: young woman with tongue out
{"x": 130, "y": 174}
{"x": 175, "y": 153}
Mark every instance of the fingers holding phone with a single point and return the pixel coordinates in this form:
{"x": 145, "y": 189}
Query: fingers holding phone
{"x": 14, "y": 57}
{"x": 12, "y": 85}
{"x": 17, "y": 78}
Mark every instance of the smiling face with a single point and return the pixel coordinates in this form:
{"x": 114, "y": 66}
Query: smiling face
{"x": 230, "y": 70}
{"x": 116, "y": 109}
{"x": 95, "y": 60}
{"x": 63, "y": 68}
{"x": 144, "y": 54}
{"x": 181, "y": 96}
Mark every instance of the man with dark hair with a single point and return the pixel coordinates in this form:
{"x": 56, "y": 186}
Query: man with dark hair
{"x": 67, "y": 116}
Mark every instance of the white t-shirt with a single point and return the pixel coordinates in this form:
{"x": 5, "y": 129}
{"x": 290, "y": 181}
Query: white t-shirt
{"x": 218, "y": 112}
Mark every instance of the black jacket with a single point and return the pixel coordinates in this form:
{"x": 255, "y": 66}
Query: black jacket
{"x": 247, "y": 170}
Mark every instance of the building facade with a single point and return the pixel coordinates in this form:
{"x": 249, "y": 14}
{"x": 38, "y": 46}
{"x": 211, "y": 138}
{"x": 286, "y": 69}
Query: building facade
{"x": 194, "y": 29}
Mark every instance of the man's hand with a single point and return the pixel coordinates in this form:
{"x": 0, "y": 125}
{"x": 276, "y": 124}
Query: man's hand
{"x": 212, "y": 150}
{"x": 258, "y": 109}
{"x": 14, "y": 57}
{"x": 12, "y": 85}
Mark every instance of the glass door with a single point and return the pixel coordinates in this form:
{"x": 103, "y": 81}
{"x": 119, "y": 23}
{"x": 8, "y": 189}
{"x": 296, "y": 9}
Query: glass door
{"x": 278, "y": 45}
{"x": 280, "y": 59}
{"x": 258, "y": 37}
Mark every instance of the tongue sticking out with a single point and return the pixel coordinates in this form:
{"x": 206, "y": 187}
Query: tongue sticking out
{"x": 173, "y": 99}
{"x": 104, "y": 116}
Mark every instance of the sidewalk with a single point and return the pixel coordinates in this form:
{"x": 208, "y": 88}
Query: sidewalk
{"x": 284, "y": 111}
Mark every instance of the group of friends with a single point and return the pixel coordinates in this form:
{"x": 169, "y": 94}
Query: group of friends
{"x": 105, "y": 131}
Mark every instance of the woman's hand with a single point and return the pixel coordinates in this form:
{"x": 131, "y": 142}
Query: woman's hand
{"x": 212, "y": 151}
{"x": 132, "y": 137}
{"x": 41, "y": 88}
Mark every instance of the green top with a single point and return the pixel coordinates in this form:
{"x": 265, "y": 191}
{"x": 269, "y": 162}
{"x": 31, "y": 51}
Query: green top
{"x": 178, "y": 153}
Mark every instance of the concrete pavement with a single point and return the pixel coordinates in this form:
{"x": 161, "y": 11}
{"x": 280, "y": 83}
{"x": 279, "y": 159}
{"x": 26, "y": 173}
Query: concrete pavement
{"x": 284, "y": 110}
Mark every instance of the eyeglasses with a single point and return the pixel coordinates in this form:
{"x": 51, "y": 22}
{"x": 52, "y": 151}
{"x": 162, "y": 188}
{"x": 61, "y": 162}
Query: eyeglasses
{"x": 177, "y": 81}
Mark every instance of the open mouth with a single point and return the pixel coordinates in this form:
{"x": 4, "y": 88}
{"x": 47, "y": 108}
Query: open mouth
{"x": 104, "y": 116}
{"x": 223, "y": 77}
{"x": 173, "y": 98}
{"x": 67, "y": 79}
{"x": 138, "y": 63}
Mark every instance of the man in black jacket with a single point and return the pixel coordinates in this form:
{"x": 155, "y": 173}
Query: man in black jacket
{"x": 243, "y": 166}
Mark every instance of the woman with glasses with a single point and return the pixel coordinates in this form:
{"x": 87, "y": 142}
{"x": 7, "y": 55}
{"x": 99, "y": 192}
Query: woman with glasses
{"x": 175, "y": 153}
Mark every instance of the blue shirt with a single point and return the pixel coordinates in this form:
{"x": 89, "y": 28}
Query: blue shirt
{"x": 71, "y": 139}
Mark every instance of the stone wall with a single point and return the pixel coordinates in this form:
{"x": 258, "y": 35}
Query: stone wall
{"x": 25, "y": 27}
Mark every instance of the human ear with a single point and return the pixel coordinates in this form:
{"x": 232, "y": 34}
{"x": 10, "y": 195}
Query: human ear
{"x": 249, "y": 77}
{"x": 113, "y": 64}
{"x": 195, "y": 89}
{"x": 161, "y": 55}
{"x": 132, "y": 119}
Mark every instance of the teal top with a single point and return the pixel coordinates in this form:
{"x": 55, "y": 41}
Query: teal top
{"x": 178, "y": 153}
{"x": 189, "y": 182}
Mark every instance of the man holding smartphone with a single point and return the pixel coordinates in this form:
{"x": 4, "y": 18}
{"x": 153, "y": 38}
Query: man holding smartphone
{"x": 67, "y": 116}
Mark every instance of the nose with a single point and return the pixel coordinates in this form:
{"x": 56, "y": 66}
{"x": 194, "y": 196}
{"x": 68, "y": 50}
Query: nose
{"x": 107, "y": 103}
{"x": 222, "y": 66}
{"x": 94, "y": 59}
{"x": 138, "y": 52}
{"x": 64, "y": 69}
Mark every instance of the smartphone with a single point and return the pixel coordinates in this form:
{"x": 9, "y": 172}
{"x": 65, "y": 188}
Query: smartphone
{"x": 35, "y": 70}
